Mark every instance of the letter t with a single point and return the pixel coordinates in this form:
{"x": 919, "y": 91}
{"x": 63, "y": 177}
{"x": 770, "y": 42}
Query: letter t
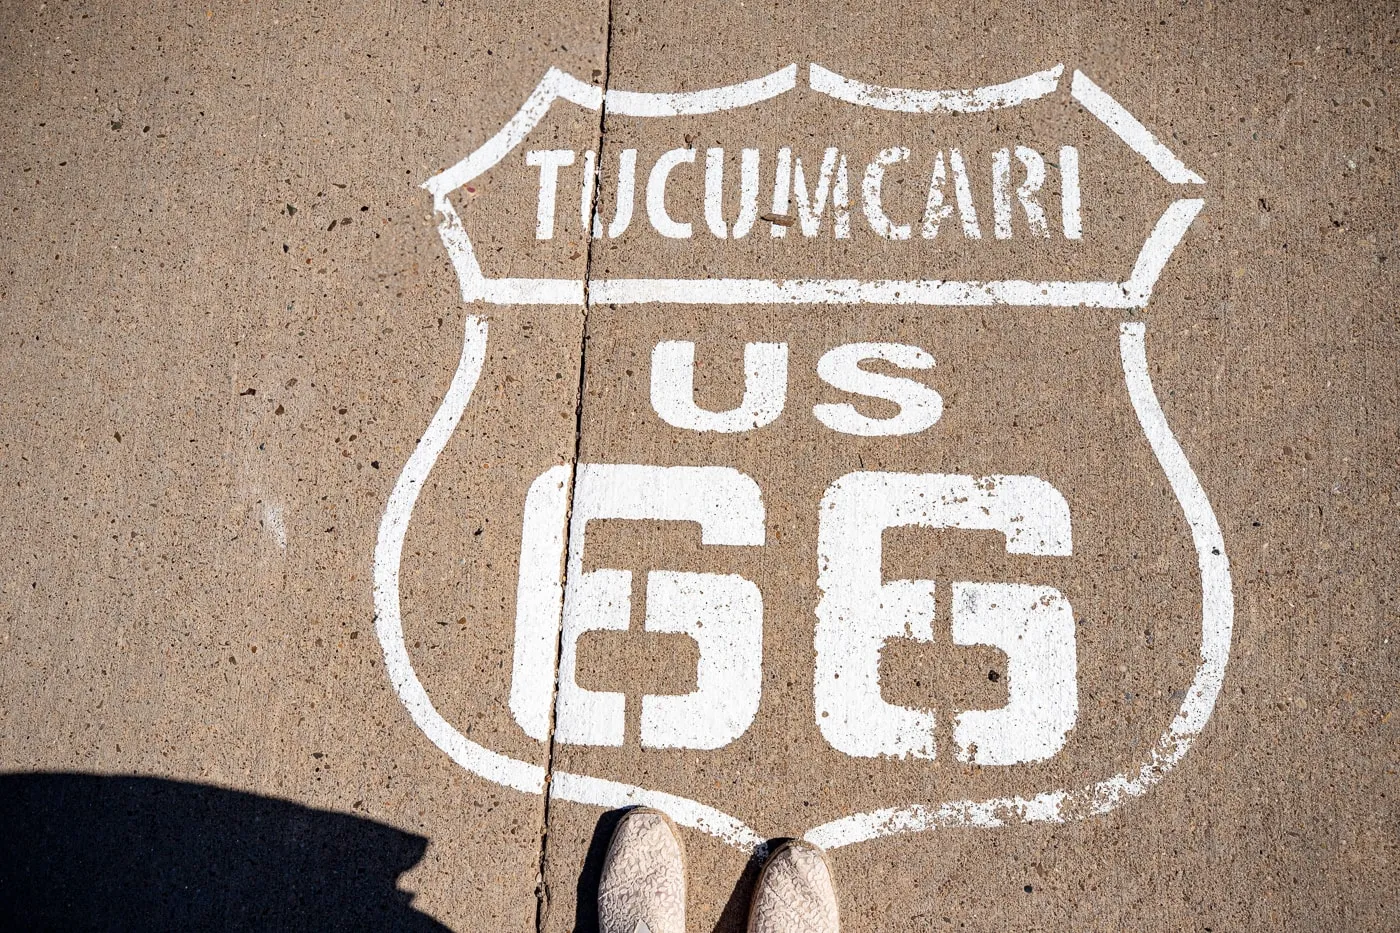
{"x": 549, "y": 162}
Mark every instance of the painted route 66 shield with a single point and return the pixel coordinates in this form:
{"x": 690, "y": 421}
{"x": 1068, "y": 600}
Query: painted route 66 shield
{"x": 858, "y": 513}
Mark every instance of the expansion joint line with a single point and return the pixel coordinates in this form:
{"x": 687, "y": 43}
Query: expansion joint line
{"x": 541, "y": 887}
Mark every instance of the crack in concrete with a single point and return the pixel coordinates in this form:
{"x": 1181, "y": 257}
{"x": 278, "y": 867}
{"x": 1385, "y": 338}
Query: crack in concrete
{"x": 541, "y": 883}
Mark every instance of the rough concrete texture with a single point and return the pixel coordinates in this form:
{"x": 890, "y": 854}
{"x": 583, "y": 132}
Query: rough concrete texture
{"x": 229, "y": 318}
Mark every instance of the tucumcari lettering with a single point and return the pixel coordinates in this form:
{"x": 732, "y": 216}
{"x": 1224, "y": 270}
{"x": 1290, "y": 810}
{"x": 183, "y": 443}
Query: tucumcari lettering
{"x": 781, "y": 194}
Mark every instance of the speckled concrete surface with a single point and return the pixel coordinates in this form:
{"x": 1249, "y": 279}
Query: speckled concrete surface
{"x": 228, "y": 318}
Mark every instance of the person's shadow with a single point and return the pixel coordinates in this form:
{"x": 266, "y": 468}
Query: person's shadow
{"x": 85, "y": 852}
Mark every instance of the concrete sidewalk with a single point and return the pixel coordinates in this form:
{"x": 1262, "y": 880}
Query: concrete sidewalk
{"x": 982, "y": 425}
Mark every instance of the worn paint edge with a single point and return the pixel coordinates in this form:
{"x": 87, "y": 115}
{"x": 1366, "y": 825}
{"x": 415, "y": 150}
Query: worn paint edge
{"x": 388, "y": 552}
{"x": 906, "y": 100}
{"x": 709, "y": 100}
{"x": 1129, "y": 129}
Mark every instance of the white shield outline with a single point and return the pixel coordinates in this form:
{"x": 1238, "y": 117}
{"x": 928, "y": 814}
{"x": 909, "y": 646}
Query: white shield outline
{"x": 1217, "y": 598}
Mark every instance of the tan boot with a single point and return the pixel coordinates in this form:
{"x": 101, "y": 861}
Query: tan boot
{"x": 794, "y": 893}
{"x": 642, "y": 889}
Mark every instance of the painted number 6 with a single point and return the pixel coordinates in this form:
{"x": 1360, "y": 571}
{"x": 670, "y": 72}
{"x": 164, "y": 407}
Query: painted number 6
{"x": 858, "y": 614}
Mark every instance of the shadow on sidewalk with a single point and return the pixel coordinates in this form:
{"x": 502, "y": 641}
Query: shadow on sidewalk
{"x": 85, "y": 852}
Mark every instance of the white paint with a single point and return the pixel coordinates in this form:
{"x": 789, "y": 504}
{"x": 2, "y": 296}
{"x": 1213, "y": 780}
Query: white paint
{"x": 962, "y": 188}
{"x": 1217, "y": 591}
{"x": 598, "y": 601}
{"x": 585, "y": 200}
{"x": 556, "y": 85}
{"x": 858, "y": 612}
{"x": 656, "y": 194}
{"x": 720, "y": 291}
{"x": 748, "y": 193}
{"x": 548, "y": 161}
{"x": 1034, "y": 627}
{"x": 388, "y": 554}
{"x": 1217, "y": 626}
{"x": 901, "y": 100}
{"x": 1047, "y": 806}
{"x": 1034, "y": 166}
{"x": 935, "y": 210}
{"x": 491, "y": 765}
{"x": 724, "y": 614}
{"x": 1026, "y": 190}
{"x": 1113, "y": 115}
{"x": 714, "y": 193}
{"x": 831, "y": 177}
{"x": 871, "y": 194}
{"x": 626, "y": 184}
{"x": 673, "y": 388}
{"x": 828, "y": 194}
{"x": 473, "y": 285}
{"x": 857, "y": 615}
{"x": 815, "y": 292}
{"x": 919, "y": 406}
{"x": 782, "y": 181}
{"x": 729, "y": 509}
{"x": 1069, "y": 193}
{"x": 710, "y": 100}
{"x": 1160, "y": 245}
{"x": 539, "y": 596}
